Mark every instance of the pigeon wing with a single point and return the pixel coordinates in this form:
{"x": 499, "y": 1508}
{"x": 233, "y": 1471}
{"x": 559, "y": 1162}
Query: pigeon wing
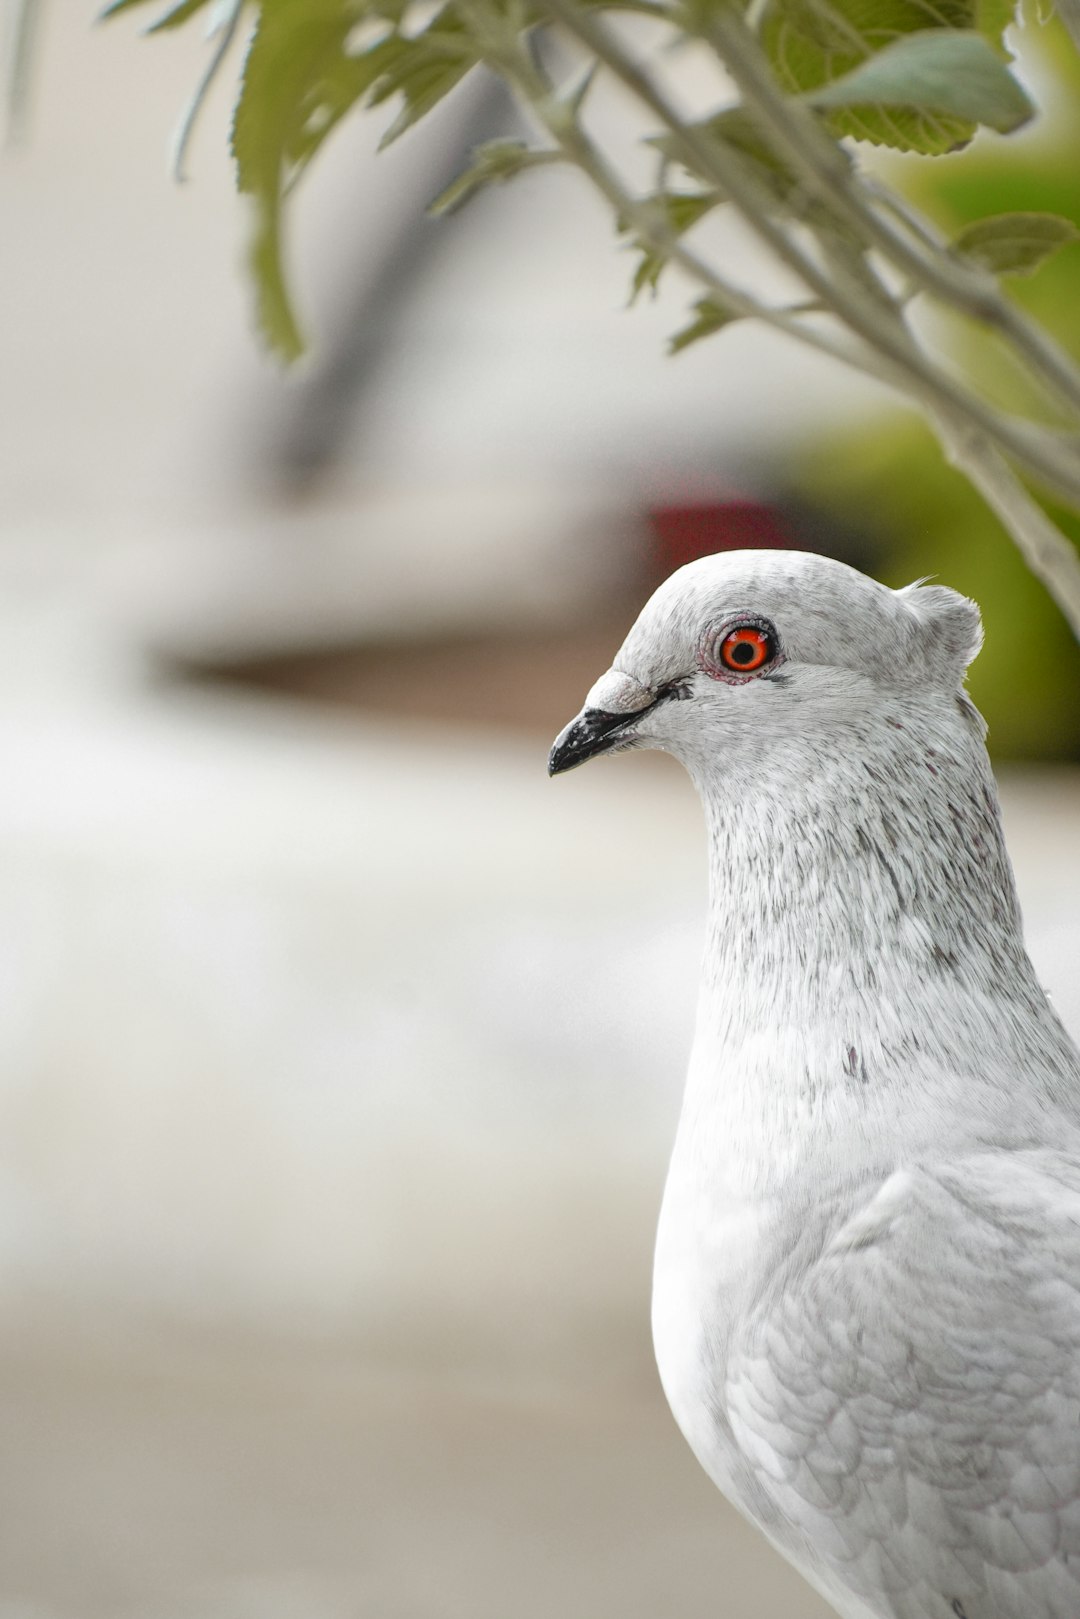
{"x": 910, "y": 1400}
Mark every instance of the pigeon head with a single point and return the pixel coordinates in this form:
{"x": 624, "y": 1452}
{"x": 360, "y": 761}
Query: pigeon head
{"x": 739, "y": 652}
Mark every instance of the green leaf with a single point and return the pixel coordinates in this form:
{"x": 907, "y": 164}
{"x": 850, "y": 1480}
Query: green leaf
{"x": 937, "y": 73}
{"x": 640, "y": 8}
{"x": 493, "y": 162}
{"x": 680, "y": 210}
{"x": 782, "y": 190}
{"x": 685, "y": 208}
{"x": 710, "y": 316}
{"x": 1015, "y": 244}
{"x": 302, "y": 74}
{"x": 813, "y": 43}
{"x": 817, "y": 40}
{"x": 342, "y": 82}
{"x": 772, "y": 173}
{"x": 273, "y": 305}
{"x": 991, "y": 19}
{"x": 177, "y": 16}
{"x": 647, "y": 275}
{"x": 173, "y": 18}
{"x": 223, "y": 26}
{"x": 297, "y": 51}
{"x": 737, "y": 131}
{"x": 422, "y": 69}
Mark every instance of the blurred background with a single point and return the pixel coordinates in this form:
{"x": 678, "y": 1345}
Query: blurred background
{"x": 341, "y": 1051}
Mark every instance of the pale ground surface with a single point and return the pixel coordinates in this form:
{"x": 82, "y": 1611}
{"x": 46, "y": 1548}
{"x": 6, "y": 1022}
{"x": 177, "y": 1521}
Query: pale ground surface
{"x": 369, "y": 1039}
{"x": 220, "y": 1485}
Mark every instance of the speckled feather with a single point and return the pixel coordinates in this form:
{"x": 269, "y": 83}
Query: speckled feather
{"x": 866, "y": 1300}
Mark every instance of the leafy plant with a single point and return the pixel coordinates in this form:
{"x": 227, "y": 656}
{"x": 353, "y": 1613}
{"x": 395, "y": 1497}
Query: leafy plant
{"x": 801, "y": 87}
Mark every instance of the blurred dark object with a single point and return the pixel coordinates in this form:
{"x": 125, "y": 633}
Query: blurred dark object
{"x": 889, "y": 475}
{"x": 697, "y": 529}
{"x": 926, "y": 521}
{"x": 521, "y": 673}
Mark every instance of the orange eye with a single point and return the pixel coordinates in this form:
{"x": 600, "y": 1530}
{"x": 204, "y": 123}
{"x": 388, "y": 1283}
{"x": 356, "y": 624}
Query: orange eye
{"x": 738, "y": 648}
{"x": 745, "y": 650}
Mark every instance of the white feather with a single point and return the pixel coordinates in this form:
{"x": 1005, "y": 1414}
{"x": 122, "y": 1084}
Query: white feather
{"x": 867, "y": 1287}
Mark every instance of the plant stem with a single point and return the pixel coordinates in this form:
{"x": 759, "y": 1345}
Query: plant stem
{"x": 971, "y": 433}
{"x": 1069, "y": 12}
{"x": 901, "y": 361}
{"x": 539, "y": 98}
{"x": 226, "y": 27}
{"x": 1047, "y": 552}
{"x": 800, "y": 139}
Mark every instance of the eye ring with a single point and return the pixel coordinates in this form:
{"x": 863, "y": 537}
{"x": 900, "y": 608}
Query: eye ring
{"x": 739, "y": 649}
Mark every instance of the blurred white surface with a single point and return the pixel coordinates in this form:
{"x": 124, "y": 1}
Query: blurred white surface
{"x": 182, "y": 1484}
{"x": 292, "y": 1013}
{"x": 339, "y": 1067}
{"x": 137, "y": 406}
{"x": 337, "y": 1024}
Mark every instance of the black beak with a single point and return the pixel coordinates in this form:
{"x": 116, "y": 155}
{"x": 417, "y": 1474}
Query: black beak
{"x": 591, "y": 733}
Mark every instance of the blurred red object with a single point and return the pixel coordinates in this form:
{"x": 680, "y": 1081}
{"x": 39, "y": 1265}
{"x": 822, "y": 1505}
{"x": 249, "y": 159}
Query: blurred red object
{"x": 685, "y": 532}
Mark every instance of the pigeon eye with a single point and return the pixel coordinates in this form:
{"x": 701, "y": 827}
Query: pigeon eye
{"x": 742, "y": 648}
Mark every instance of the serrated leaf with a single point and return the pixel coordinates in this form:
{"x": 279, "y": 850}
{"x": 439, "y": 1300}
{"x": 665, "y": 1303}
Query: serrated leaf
{"x": 297, "y": 47}
{"x": 813, "y": 43}
{"x": 297, "y": 50}
{"x": 937, "y": 73}
{"x": 710, "y": 316}
{"x": 493, "y": 162}
{"x": 426, "y": 70}
{"x": 426, "y": 90}
{"x": 341, "y": 84}
{"x": 1015, "y": 244}
{"x": 301, "y": 76}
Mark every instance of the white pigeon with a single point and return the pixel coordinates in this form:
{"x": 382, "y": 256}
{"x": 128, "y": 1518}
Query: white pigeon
{"x": 866, "y": 1301}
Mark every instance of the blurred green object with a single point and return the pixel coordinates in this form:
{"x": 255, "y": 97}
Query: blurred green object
{"x": 926, "y": 517}
{"x": 928, "y": 520}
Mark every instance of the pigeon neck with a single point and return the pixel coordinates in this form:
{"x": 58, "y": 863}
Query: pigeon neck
{"x": 833, "y": 870}
{"x": 863, "y": 935}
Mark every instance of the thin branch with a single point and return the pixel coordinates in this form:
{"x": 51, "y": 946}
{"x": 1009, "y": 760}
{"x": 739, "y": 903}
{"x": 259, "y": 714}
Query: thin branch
{"x": 901, "y": 360}
{"x": 1047, "y": 552}
{"x": 799, "y": 138}
{"x": 226, "y": 24}
{"x": 557, "y": 119}
{"x": 966, "y": 442}
{"x": 1069, "y": 12}
{"x": 839, "y": 268}
{"x": 919, "y": 226}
